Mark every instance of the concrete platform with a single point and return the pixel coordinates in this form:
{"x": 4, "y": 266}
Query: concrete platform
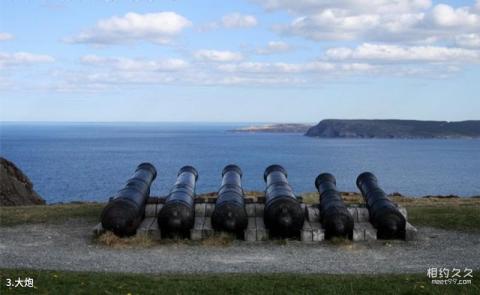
{"x": 311, "y": 232}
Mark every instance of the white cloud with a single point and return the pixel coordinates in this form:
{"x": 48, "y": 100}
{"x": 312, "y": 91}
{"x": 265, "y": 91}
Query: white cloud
{"x": 5, "y": 36}
{"x": 23, "y": 58}
{"x": 159, "y": 27}
{"x": 394, "y": 53}
{"x": 238, "y": 20}
{"x": 217, "y": 55}
{"x": 446, "y": 16}
{"x": 362, "y": 6}
{"x": 128, "y": 64}
{"x": 274, "y": 47}
{"x": 468, "y": 40}
{"x": 278, "y": 67}
{"x": 407, "y": 21}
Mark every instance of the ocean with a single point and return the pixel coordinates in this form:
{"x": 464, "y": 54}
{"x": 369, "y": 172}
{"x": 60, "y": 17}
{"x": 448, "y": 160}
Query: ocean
{"x": 91, "y": 161}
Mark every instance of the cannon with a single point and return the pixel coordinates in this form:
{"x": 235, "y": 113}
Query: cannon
{"x": 229, "y": 213}
{"x": 283, "y": 213}
{"x": 177, "y": 215}
{"x": 384, "y": 214}
{"x": 334, "y": 215}
{"x": 126, "y": 210}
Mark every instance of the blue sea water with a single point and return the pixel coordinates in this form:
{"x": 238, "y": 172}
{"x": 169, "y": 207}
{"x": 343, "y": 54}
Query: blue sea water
{"x": 90, "y": 162}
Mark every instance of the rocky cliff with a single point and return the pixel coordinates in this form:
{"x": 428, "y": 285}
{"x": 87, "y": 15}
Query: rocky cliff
{"x": 394, "y": 129}
{"x": 15, "y": 187}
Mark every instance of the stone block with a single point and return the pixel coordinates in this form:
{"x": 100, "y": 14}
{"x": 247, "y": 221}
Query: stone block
{"x": 353, "y": 212}
{"x": 313, "y": 214}
{"x": 259, "y": 210}
{"x": 250, "y": 208}
{"x": 411, "y": 232}
{"x": 318, "y": 234}
{"x": 200, "y": 210}
{"x": 151, "y": 210}
{"x": 98, "y": 229}
{"x": 209, "y": 207}
{"x": 363, "y": 215}
{"x": 306, "y": 234}
{"x": 250, "y": 235}
{"x": 403, "y": 210}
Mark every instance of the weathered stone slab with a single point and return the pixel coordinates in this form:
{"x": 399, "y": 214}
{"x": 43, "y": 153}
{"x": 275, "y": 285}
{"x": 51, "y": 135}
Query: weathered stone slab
{"x": 411, "y": 232}
{"x": 200, "y": 209}
{"x": 313, "y": 214}
{"x": 318, "y": 234}
{"x": 262, "y": 232}
{"x": 370, "y": 231}
{"x": 207, "y": 230}
{"x": 353, "y": 212}
{"x": 151, "y": 210}
{"x": 145, "y": 225}
{"x": 259, "y": 210}
{"x": 306, "y": 234}
{"x": 403, "y": 210}
{"x": 197, "y": 232}
{"x": 98, "y": 229}
{"x": 363, "y": 231}
{"x": 209, "y": 207}
{"x": 250, "y": 233}
{"x": 250, "y": 208}
{"x": 363, "y": 215}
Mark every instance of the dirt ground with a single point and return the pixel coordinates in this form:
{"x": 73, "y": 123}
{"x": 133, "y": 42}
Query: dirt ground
{"x": 70, "y": 246}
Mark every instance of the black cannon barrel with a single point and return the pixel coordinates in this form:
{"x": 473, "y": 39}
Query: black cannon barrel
{"x": 334, "y": 215}
{"x": 178, "y": 213}
{"x": 229, "y": 213}
{"x": 126, "y": 210}
{"x": 283, "y": 214}
{"x": 384, "y": 214}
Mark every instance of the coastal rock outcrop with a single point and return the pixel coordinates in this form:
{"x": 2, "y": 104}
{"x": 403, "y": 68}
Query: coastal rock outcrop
{"x": 394, "y": 129}
{"x": 15, "y": 187}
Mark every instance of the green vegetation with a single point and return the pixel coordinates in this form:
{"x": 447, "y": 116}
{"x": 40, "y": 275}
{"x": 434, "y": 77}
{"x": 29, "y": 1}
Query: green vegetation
{"x": 57, "y": 282}
{"x": 464, "y": 218}
{"x": 48, "y": 213}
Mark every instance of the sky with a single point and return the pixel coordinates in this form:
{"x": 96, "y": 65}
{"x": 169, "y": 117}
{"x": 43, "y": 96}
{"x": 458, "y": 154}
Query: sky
{"x": 239, "y": 61}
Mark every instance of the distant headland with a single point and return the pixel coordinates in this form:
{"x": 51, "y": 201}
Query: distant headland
{"x": 276, "y": 128}
{"x": 337, "y": 128}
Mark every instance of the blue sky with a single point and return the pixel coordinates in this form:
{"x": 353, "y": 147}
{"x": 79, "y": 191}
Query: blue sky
{"x": 234, "y": 61}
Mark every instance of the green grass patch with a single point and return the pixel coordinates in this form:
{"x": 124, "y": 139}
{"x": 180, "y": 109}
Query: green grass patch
{"x": 460, "y": 217}
{"x": 48, "y": 213}
{"x": 56, "y": 282}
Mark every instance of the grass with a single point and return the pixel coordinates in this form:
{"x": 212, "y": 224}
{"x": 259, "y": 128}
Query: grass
{"x": 455, "y": 217}
{"x": 111, "y": 240}
{"x": 48, "y": 213}
{"x": 60, "y": 282}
